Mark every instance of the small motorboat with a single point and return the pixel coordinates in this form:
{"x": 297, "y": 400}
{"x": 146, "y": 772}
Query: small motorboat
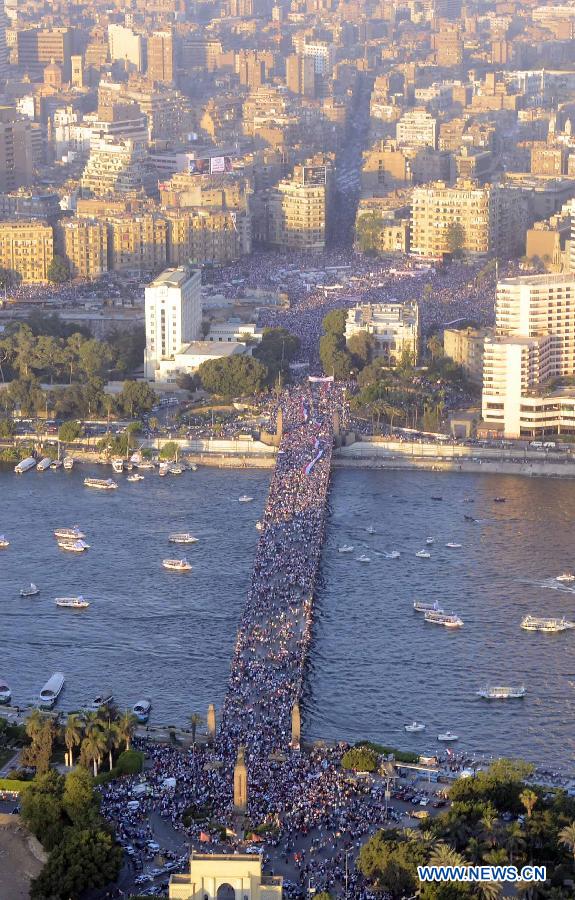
{"x": 69, "y": 534}
{"x": 429, "y": 541}
{"x": 135, "y": 477}
{"x": 182, "y": 537}
{"x": 566, "y": 577}
{"x": 177, "y": 565}
{"x": 447, "y": 736}
{"x": 141, "y": 710}
{"x": 4, "y": 542}
{"x": 176, "y": 469}
{"x": 370, "y": 529}
{"x": 414, "y": 726}
{"x": 164, "y": 469}
{"x": 56, "y": 464}
{"x": 363, "y": 558}
{"x": 72, "y": 602}
{"x": 5, "y": 692}
{"x": 423, "y": 554}
{"x": 420, "y": 606}
{"x": 68, "y": 462}
{"x": 393, "y": 554}
{"x": 30, "y": 591}
{"x": 453, "y": 545}
{"x": 74, "y": 546}
{"x": 259, "y": 526}
{"x": 51, "y": 690}
{"x": 469, "y": 518}
{"x": 118, "y": 465}
{"x": 468, "y": 500}
{"x": 245, "y": 498}
{"x": 345, "y": 548}
{"x": 436, "y": 497}
{"x": 103, "y": 698}
{"x": 44, "y": 464}
{"x": 499, "y": 499}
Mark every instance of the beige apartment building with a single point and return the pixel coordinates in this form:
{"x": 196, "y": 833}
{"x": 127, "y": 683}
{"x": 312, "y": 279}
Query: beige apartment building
{"x": 84, "y": 243}
{"x": 27, "y": 248}
{"x": 394, "y": 327}
{"x": 16, "y": 150}
{"x": 114, "y": 166}
{"x": 533, "y": 346}
{"x": 207, "y": 236}
{"x": 297, "y": 210}
{"x": 138, "y": 243}
{"x": 465, "y": 347}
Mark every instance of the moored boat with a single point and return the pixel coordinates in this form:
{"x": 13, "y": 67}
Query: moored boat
{"x": 5, "y": 692}
{"x": 501, "y": 692}
{"x": 163, "y": 469}
{"x": 182, "y": 537}
{"x": 141, "y": 710}
{"x": 68, "y": 462}
{"x": 118, "y": 465}
{"x": 135, "y": 477}
{"x": 24, "y": 465}
{"x": 177, "y": 565}
{"x": 101, "y": 484}
{"x": 44, "y": 464}
{"x": 30, "y": 591}
{"x": 56, "y": 464}
{"x": 259, "y": 526}
{"x": 414, "y": 727}
{"x": 51, "y": 690}
{"x": 176, "y": 469}
{"x": 103, "y": 698}
{"x": 72, "y": 602}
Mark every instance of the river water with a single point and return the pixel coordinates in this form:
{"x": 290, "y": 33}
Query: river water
{"x": 376, "y": 664}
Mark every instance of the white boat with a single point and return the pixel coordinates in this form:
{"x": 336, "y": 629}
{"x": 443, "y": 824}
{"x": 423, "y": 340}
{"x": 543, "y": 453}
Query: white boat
{"x": 427, "y": 607}
{"x": 453, "y": 545}
{"x": 501, "y": 692}
{"x": 141, "y": 710}
{"x": 164, "y": 469}
{"x": 345, "y": 548}
{"x": 193, "y": 467}
{"x": 245, "y": 498}
{"x": 393, "y": 554}
{"x": 448, "y": 620}
{"x": 69, "y": 534}
{"x": 44, "y": 464}
{"x": 429, "y": 541}
{"x": 177, "y": 565}
{"x": 144, "y": 464}
{"x": 567, "y": 577}
{"x": 259, "y": 526}
{"x": 51, "y": 690}
{"x": 56, "y": 464}
{"x": 447, "y": 736}
{"x": 118, "y": 465}
{"x": 101, "y": 484}
{"x": 135, "y": 477}
{"x": 74, "y": 546}
{"x": 103, "y": 698}
{"x": 363, "y": 558}
{"x": 182, "y": 537}
{"x": 4, "y": 542}
{"x": 30, "y": 591}
{"x": 24, "y": 465}
{"x": 414, "y": 727}
{"x": 548, "y": 626}
{"x": 176, "y": 469}
{"x": 72, "y": 602}
{"x": 68, "y": 462}
{"x": 423, "y": 554}
{"x": 370, "y": 529}
{"x": 5, "y": 692}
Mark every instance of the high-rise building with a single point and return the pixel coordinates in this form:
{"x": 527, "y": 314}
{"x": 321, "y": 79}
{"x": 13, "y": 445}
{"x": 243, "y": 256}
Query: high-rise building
{"x": 4, "y": 24}
{"x": 84, "y": 243}
{"x": 138, "y": 243}
{"x": 297, "y": 210}
{"x": 417, "y": 128}
{"x": 533, "y": 344}
{"x": 37, "y": 47}
{"x": 173, "y": 306}
{"x": 114, "y": 166}
{"x": 16, "y": 150}
{"x": 27, "y": 248}
{"x": 465, "y": 347}
{"x": 126, "y": 46}
{"x": 161, "y": 65}
{"x": 77, "y": 71}
{"x": 300, "y": 75}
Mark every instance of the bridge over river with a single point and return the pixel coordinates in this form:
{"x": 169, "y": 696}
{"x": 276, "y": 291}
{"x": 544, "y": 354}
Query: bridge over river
{"x": 275, "y": 631}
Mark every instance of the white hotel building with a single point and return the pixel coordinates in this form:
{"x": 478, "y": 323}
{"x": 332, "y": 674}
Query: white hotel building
{"x": 394, "y": 327}
{"x": 533, "y": 346}
{"x": 173, "y": 307}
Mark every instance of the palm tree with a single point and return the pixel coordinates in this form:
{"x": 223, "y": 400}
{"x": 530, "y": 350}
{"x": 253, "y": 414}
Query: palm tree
{"x": 72, "y": 735}
{"x": 92, "y": 721}
{"x": 488, "y": 890}
{"x": 94, "y": 747}
{"x": 528, "y": 799}
{"x": 195, "y": 720}
{"x": 488, "y": 822}
{"x": 444, "y": 855}
{"x": 126, "y": 726}
{"x": 567, "y": 838}
{"x": 34, "y": 723}
{"x": 112, "y": 739}
{"x": 515, "y": 839}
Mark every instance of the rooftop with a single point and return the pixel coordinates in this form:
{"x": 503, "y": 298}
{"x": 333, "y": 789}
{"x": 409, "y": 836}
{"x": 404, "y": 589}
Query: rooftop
{"x": 173, "y": 277}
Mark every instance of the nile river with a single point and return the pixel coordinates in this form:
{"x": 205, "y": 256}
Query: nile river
{"x": 376, "y": 664}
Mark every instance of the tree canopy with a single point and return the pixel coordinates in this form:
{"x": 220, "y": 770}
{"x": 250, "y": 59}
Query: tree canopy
{"x": 85, "y": 859}
{"x": 58, "y": 270}
{"x": 233, "y": 375}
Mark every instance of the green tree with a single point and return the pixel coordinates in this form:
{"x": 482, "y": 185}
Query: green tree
{"x": 79, "y": 800}
{"x": 95, "y": 358}
{"x": 334, "y": 357}
{"x": 6, "y": 427}
{"x": 9, "y": 279}
{"x": 360, "y": 759}
{"x": 276, "y": 350}
{"x": 126, "y": 727}
{"x": 334, "y": 322}
{"x": 567, "y": 838}
{"x": 136, "y": 398}
{"x": 41, "y": 730}
{"x": 169, "y": 450}
{"x": 42, "y": 810}
{"x": 233, "y": 376}
{"x": 59, "y": 270}
{"x": 69, "y": 431}
{"x": 72, "y": 735}
{"x": 368, "y": 230}
{"x": 390, "y": 863}
{"x": 455, "y": 238}
{"x": 362, "y": 348}
{"x": 84, "y": 860}
{"x": 529, "y": 799}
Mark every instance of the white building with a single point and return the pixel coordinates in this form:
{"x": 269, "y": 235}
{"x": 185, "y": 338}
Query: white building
{"x": 173, "y": 309}
{"x": 394, "y": 325}
{"x": 225, "y": 877}
{"x": 322, "y": 54}
{"x": 114, "y": 166}
{"x": 234, "y": 330}
{"x": 533, "y": 345}
{"x": 126, "y": 46}
{"x": 192, "y": 355}
{"x": 417, "y": 128}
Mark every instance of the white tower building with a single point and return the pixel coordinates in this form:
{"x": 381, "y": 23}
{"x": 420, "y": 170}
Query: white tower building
{"x": 173, "y": 306}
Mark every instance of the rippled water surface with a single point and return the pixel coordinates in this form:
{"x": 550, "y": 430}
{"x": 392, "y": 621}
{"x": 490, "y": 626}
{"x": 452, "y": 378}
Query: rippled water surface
{"x": 376, "y": 664}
